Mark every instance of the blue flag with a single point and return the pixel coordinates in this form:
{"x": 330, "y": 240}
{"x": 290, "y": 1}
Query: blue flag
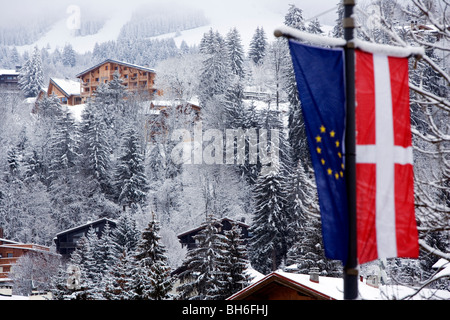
{"x": 321, "y": 87}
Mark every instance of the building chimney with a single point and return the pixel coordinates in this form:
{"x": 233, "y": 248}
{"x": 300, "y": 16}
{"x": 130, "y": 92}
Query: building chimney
{"x": 314, "y": 275}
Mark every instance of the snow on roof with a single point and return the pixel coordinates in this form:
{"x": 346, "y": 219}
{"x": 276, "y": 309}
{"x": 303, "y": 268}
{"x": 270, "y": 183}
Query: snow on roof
{"x": 86, "y": 224}
{"x": 333, "y": 287}
{"x": 8, "y": 71}
{"x": 118, "y": 62}
{"x": 70, "y": 87}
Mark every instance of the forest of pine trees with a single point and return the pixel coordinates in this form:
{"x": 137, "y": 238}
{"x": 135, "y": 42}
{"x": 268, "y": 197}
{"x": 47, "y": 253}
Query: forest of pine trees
{"x": 58, "y": 171}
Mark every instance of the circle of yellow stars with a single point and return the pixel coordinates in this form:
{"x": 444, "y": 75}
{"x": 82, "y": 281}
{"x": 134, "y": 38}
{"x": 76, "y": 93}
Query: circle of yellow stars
{"x": 338, "y": 174}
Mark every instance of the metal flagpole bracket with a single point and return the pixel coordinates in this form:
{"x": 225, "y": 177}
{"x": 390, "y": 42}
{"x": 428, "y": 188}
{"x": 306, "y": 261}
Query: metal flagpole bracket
{"x": 352, "y": 271}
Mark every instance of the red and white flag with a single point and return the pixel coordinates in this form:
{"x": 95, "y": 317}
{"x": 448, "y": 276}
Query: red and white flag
{"x": 386, "y": 225}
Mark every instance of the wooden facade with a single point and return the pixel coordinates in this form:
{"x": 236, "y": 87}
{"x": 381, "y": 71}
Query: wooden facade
{"x": 11, "y": 251}
{"x": 68, "y": 91}
{"x": 135, "y": 78}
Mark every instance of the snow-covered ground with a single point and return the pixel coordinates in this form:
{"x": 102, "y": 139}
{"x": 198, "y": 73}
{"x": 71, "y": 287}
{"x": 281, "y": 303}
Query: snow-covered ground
{"x": 245, "y": 15}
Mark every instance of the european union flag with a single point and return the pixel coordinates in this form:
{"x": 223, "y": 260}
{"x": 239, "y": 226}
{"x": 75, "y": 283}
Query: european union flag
{"x": 321, "y": 86}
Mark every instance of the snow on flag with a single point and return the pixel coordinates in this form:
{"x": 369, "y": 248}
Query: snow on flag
{"x": 386, "y": 225}
{"x": 321, "y": 86}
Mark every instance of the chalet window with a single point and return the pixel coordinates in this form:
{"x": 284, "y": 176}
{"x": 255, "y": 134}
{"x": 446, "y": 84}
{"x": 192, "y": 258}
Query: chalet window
{"x": 116, "y": 68}
{"x": 96, "y": 79}
{"x": 106, "y": 67}
{"x": 126, "y": 76}
{"x": 9, "y": 255}
{"x": 64, "y": 100}
{"x": 144, "y": 74}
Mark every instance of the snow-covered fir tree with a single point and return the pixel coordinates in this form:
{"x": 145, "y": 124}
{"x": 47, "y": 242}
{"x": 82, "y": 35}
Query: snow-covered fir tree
{"x": 126, "y": 235}
{"x": 117, "y": 281}
{"x": 296, "y": 127}
{"x": 234, "y": 265}
{"x": 214, "y": 76}
{"x": 130, "y": 181}
{"x": 31, "y": 76}
{"x": 96, "y": 151}
{"x": 294, "y": 18}
{"x": 69, "y": 56}
{"x": 235, "y": 52}
{"x": 200, "y": 279}
{"x": 269, "y": 225}
{"x": 314, "y": 27}
{"x": 151, "y": 277}
{"x": 258, "y": 46}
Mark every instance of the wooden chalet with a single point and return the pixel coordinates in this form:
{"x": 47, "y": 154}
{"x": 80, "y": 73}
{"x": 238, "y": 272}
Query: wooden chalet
{"x": 9, "y": 79}
{"x": 11, "y": 251}
{"x": 66, "y": 241}
{"x": 135, "y": 78}
{"x": 285, "y": 286}
{"x": 187, "y": 238}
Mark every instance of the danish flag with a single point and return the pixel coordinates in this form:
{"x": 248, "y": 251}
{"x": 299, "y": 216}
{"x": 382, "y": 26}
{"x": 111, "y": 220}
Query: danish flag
{"x": 386, "y": 225}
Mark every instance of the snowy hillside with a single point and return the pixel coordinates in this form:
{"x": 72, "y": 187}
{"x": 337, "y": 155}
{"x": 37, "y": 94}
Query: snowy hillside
{"x": 246, "y": 16}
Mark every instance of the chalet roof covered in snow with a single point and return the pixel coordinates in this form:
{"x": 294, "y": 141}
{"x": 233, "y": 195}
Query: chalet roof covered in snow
{"x": 69, "y": 87}
{"x": 12, "y": 72}
{"x": 126, "y": 64}
{"x": 329, "y": 288}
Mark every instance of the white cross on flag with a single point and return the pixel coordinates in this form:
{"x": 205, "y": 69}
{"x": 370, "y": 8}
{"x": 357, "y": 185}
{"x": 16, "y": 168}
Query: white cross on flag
{"x": 386, "y": 225}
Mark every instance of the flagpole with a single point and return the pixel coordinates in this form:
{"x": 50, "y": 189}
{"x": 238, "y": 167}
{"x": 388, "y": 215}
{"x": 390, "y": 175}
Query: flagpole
{"x": 351, "y": 267}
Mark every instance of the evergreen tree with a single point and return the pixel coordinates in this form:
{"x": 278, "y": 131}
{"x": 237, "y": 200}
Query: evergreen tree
{"x": 105, "y": 250}
{"x": 305, "y": 245}
{"x": 215, "y": 72}
{"x": 338, "y": 30}
{"x": 96, "y": 151}
{"x": 152, "y": 279}
{"x": 31, "y": 76}
{"x": 201, "y": 275}
{"x": 269, "y": 227}
{"x": 234, "y": 263}
{"x": 294, "y": 18}
{"x": 315, "y": 27}
{"x": 69, "y": 56}
{"x": 125, "y": 235}
{"x": 63, "y": 145}
{"x": 118, "y": 280}
{"x": 296, "y": 134}
{"x": 235, "y": 52}
{"x": 130, "y": 180}
{"x": 112, "y": 107}
{"x": 258, "y": 46}
{"x": 59, "y": 288}
{"x": 83, "y": 257}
